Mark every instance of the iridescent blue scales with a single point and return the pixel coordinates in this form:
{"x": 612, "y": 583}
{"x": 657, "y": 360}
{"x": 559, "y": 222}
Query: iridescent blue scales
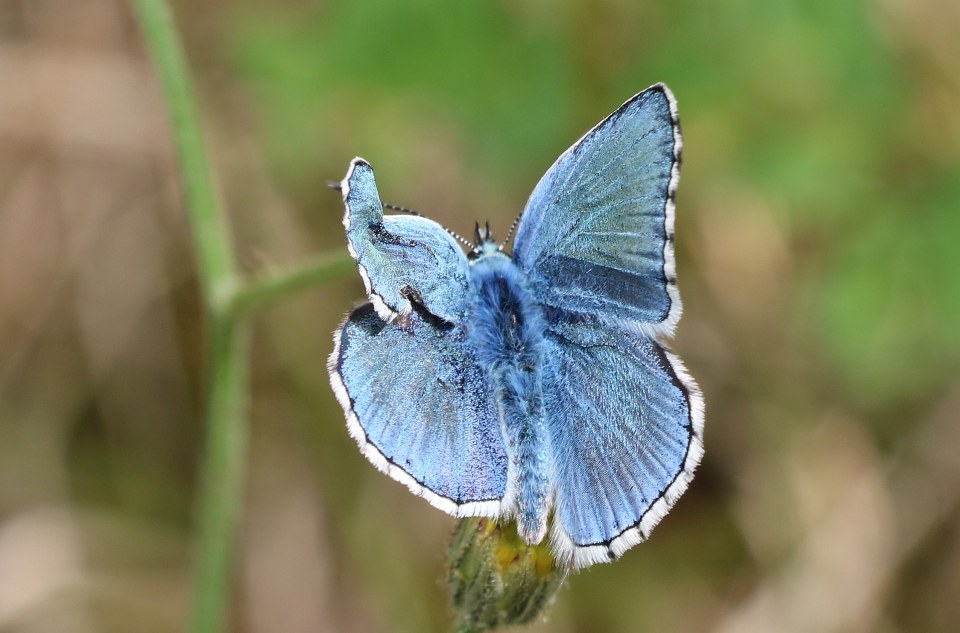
{"x": 534, "y": 387}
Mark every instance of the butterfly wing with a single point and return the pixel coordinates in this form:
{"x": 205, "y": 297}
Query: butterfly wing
{"x": 596, "y": 236}
{"x": 402, "y": 259}
{"x": 421, "y": 409}
{"x": 626, "y": 422}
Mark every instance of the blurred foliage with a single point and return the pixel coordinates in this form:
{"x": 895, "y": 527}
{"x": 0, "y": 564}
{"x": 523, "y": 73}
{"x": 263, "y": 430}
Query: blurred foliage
{"x": 810, "y": 105}
{"x": 818, "y": 220}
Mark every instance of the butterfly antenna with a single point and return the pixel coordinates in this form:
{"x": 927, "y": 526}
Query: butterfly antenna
{"x": 513, "y": 227}
{"x": 334, "y": 185}
{"x": 457, "y": 237}
{"x": 394, "y": 207}
{"x": 453, "y": 234}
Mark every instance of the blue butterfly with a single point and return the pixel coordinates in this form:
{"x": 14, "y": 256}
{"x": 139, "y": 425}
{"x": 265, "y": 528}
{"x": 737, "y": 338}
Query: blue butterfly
{"x": 524, "y": 386}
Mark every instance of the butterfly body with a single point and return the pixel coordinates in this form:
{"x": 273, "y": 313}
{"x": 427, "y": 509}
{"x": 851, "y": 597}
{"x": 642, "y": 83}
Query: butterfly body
{"x": 506, "y": 331}
{"x": 534, "y": 386}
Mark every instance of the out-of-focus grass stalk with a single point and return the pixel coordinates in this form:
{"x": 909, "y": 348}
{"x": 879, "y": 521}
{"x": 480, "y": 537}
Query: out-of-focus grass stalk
{"x": 270, "y": 286}
{"x": 227, "y": 301}
{"x": 212, "y": 241}
{"x": 223, "y": 467}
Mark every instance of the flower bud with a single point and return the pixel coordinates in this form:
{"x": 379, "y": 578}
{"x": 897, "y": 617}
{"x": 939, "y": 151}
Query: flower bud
{"x": 495, "y": 578}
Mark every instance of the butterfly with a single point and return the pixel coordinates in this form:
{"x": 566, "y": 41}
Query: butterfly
{"x": 534, "y": 386}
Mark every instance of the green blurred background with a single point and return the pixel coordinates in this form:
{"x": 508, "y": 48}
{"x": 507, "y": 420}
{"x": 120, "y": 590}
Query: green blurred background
{"x": 818, "y": 238}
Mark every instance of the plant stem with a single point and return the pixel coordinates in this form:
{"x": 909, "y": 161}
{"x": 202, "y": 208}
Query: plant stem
{"x": 222, "y": 472}
{"x": 222, "y": 469}
{"x": 280, "y": 284}
{"x": 211, "y": 238}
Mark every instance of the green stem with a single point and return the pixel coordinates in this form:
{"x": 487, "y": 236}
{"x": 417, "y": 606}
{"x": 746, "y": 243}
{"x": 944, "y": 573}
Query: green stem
{"x": 280, "y": 284}
{"x": 214, "y": 253}
{"x": 222, "y": 470}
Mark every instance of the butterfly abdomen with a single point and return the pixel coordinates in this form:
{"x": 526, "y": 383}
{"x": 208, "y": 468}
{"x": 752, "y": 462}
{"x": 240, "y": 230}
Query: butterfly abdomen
{"x": 506, "y": 332}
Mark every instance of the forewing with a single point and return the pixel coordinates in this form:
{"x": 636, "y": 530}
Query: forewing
{"x": 596, "y": 236}
{"x": 402, "y": 259}
{"x": 421, "y": 409}
{"x": 626, "y": 422}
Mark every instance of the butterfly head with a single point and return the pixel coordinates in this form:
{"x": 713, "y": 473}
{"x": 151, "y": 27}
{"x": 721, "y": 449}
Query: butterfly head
{"x": 484, "y": 243}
